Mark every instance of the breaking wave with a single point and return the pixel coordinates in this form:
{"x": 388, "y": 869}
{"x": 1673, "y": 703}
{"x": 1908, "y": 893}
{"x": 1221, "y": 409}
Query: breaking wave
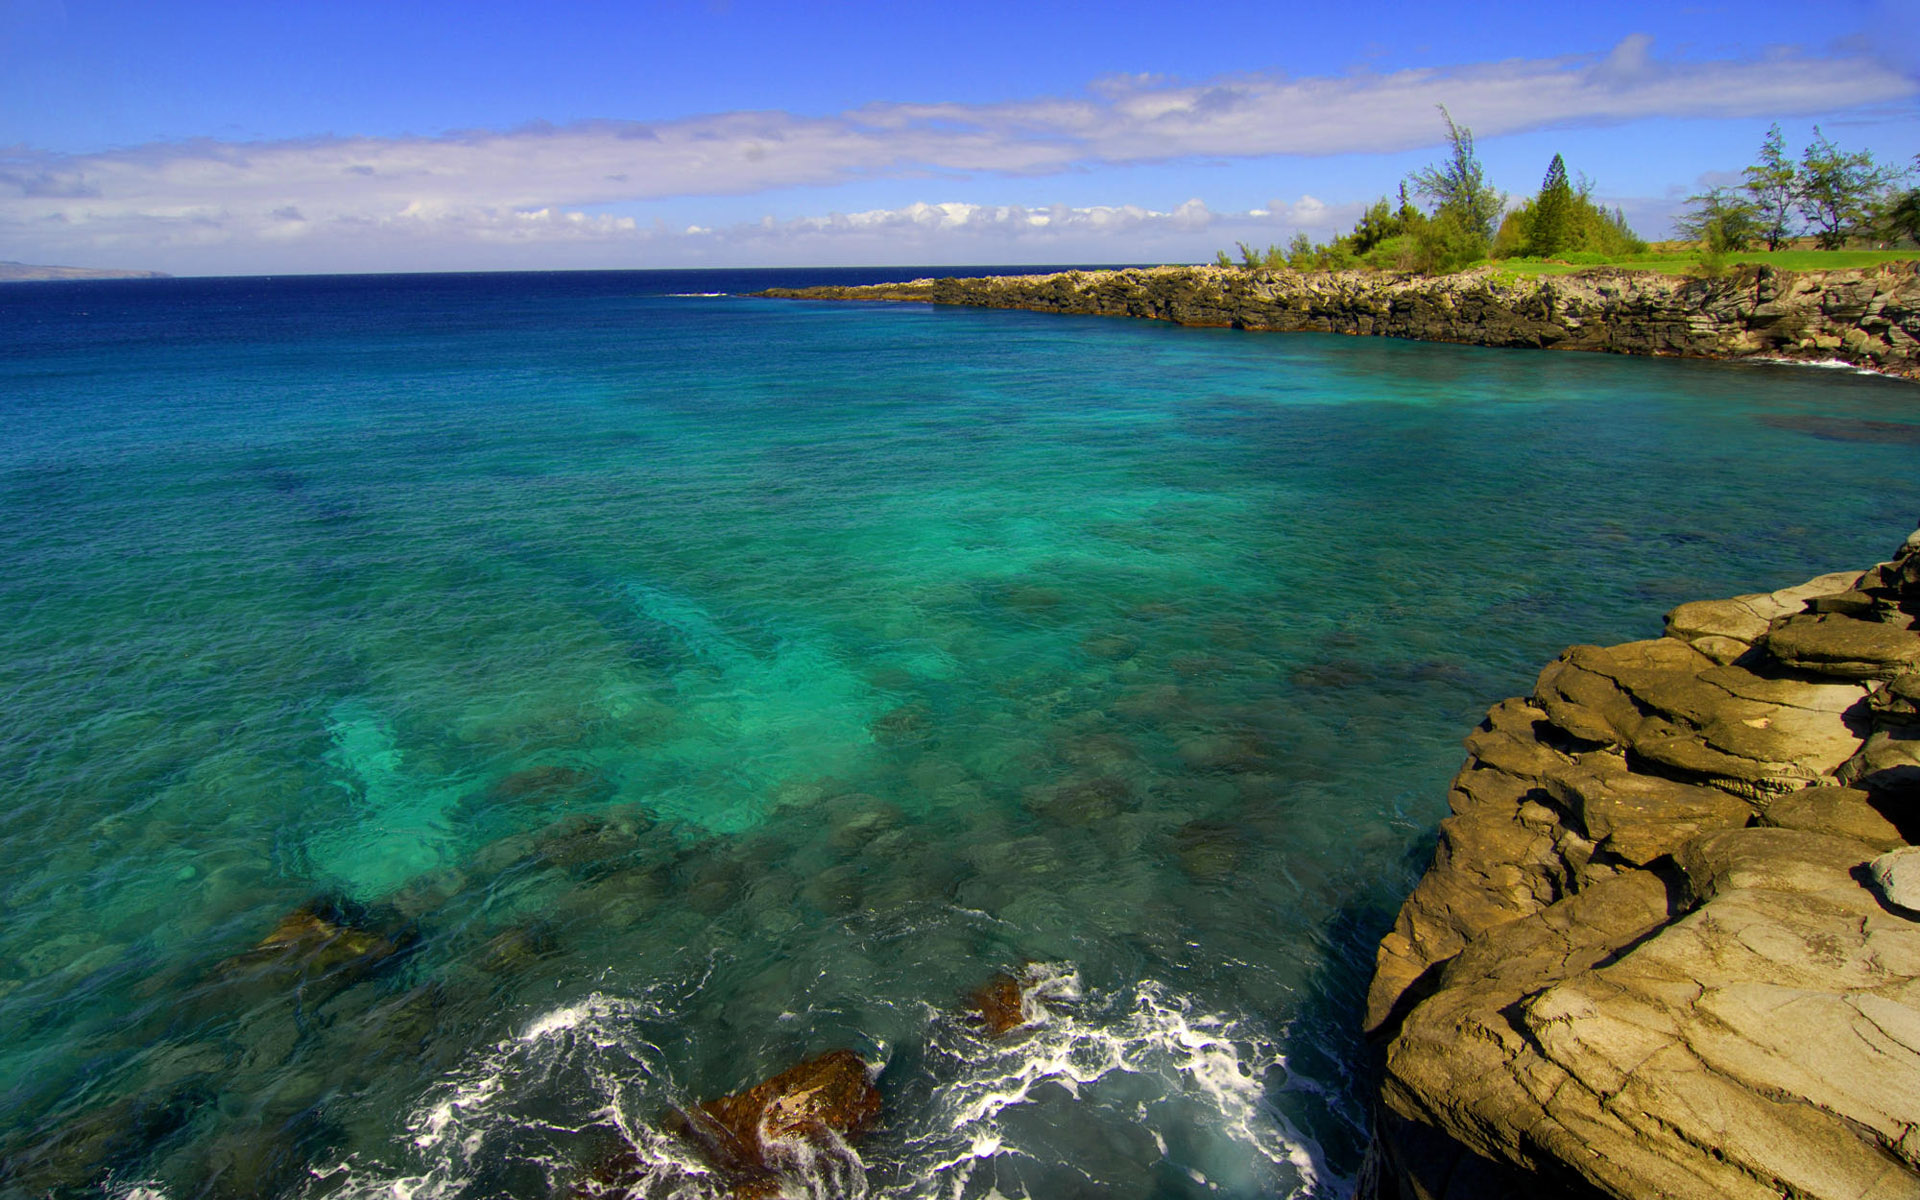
{"x": 1125, "y": 1093}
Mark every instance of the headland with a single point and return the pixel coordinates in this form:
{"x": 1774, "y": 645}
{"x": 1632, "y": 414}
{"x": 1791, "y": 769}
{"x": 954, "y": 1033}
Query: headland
{"x": 1868, "y": 317}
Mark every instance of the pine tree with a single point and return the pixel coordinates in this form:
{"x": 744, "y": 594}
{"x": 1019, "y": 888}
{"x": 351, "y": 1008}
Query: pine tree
{"x": 1551, "y": 231}
{"x": 1773, "y": 186}
{"x": 1458, "y": 188}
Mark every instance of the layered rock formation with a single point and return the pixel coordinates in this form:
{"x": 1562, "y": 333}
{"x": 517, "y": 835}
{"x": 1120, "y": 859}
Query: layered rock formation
{"x": 1870, "y": 316}
{"x": 1651, "y": 956}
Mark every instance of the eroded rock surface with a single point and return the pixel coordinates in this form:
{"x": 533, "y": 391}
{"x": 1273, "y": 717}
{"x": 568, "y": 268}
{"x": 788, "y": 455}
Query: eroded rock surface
{"x": 1869, "y": 316}
{"x": 1655, "y": 954}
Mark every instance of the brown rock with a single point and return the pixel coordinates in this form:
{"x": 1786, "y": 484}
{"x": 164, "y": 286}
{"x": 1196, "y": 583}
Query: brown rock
{"x": 1865, "y": 316}
{"x": 1899, "y": 698}
{"x": 1009, "y": 1002}
{"x": 824, "y": 1097}
{"x": 1641, "y": 818}
{"x": 1841, "y": 812}
{"x": 1889, "y": 762}
{"x": 997, "y": 1005}
{"x": 1845, "y": 647}
{"x": 1610, "y": 983}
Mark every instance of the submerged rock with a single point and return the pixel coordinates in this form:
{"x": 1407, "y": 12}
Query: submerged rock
{"x": 1646, "y": 960}
{"x": 1208, "y": 851}
{"x": 322, "y": 940}
{"x": 551, "y": 785}
{"x": 1082, "y": 801}
{"x": 904, "y": 726}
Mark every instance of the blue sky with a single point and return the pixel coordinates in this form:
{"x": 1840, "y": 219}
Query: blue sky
{"x": 216, "y": 138}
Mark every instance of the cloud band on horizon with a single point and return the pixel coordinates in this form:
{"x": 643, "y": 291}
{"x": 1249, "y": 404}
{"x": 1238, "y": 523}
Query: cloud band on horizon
{"x": 205, "y": 192}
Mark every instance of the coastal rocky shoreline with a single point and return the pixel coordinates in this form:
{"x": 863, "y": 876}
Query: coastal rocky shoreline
{"x": 1868, "y": 317}
{"x": 1669, "y": 943}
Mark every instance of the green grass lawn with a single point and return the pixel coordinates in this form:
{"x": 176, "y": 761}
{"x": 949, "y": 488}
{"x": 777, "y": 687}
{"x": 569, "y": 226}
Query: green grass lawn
{"x": 1685, "y": 261}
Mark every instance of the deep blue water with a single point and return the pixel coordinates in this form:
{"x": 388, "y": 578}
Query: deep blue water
{"x": 685, "y": 685}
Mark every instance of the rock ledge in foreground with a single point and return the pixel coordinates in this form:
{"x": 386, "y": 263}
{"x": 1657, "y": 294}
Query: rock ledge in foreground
{"x": 1653, "y": 955}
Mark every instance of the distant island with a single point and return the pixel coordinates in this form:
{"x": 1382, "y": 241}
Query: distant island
{"x": 18, "y": 272}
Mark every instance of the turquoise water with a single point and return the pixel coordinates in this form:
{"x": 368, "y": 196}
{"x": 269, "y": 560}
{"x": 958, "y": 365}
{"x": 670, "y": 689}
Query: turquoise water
{"x": 685, "y": 685}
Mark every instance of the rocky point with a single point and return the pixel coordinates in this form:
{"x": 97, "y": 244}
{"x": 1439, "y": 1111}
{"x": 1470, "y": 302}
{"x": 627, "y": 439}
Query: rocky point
{"x": 1867, "y": 316}
{"x": 1662, "y": 948}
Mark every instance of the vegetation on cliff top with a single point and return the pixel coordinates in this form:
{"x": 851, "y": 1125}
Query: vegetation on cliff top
{"x": 1840, "y": 198}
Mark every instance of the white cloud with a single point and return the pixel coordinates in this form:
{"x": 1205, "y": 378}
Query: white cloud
{"x": 532, "y": 184}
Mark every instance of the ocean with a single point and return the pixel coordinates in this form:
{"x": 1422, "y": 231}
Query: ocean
{"x": 646, "y": 688}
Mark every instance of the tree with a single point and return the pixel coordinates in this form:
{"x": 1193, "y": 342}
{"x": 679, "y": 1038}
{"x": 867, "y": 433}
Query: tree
{"x": 1837, "y": 189}
{"x": 1562, "y": 220}
{"x": 1901, "y": 218}
{"x": 1458, "y": 189}
{"x": 1550, "y": 231}
{"x": 1720, "y": 220}
{"x": 1772, "y": 188}
{"x": 1899, "y": 215}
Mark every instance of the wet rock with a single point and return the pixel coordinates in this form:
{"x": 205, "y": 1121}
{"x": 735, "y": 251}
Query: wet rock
{"x": 1896, "y": 879}
{"x": 615, "y": 1173}
{"x": 1010, "y": 1001}
{"x": 997, "y": 1007}
{"x": 813, "y": 1104}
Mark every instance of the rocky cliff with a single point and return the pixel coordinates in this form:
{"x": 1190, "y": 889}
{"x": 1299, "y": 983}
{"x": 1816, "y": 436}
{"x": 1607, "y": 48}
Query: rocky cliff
{"x": 1668, "y": 943}
{"x": 1870, "y": 316}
